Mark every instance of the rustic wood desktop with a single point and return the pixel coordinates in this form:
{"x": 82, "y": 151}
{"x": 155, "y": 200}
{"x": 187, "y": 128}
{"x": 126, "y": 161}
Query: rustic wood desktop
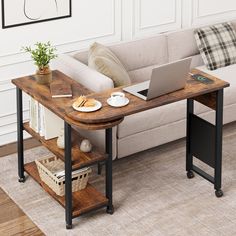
{"x": 204, "y": 140}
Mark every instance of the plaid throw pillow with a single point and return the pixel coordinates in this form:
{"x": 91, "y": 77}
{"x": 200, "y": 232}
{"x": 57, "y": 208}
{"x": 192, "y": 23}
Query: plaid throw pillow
{"x": 217, "y": 45}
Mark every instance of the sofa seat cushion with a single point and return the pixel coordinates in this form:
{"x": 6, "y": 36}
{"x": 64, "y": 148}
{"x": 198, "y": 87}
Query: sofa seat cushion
{"x": 152, "y": 118}
{"x": 227, "y": 74}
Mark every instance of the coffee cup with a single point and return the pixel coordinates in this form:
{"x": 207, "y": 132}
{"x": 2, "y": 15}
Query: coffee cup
{"x": 117, "y": 98}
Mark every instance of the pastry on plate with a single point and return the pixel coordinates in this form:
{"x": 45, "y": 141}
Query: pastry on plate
{"x": 79, "y": 102}
{"x": 82, "y": 101}
{"x": 90, "y": 102}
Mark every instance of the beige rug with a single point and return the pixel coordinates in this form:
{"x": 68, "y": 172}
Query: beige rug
{"x": 152, "y": 196}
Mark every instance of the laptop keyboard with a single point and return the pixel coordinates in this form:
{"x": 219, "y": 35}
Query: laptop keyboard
{"x": 144, "y": 92}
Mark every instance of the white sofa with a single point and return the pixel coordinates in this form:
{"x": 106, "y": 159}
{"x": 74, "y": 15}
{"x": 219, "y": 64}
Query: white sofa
{"x": 157, "y": 126}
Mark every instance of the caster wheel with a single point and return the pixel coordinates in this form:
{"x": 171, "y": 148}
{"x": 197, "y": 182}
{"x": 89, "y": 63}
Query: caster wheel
{"x": 219, "y": 193}
{"x": 110, "y": 210}
{"x": 190, "y": 174}
{"x": 68, "y": 226}
{"x": 21, "y": 180}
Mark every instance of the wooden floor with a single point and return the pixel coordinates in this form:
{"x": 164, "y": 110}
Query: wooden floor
{"x": 13, "y": 221}
{"x": 12, "y": 147}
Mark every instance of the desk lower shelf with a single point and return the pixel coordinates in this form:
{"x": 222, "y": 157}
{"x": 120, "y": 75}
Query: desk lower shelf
{"x": 83, "y": 201}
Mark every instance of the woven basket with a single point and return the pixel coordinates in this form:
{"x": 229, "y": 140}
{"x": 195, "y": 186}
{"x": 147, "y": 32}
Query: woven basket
{"x": 49, "y": 166}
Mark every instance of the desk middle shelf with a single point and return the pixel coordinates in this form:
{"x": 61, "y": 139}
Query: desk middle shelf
{"x": 79, "y": 159}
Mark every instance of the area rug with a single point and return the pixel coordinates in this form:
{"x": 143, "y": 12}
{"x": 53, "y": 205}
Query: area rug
{"x": 152, "y": 196}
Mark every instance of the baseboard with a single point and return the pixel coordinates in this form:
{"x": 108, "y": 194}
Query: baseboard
{"x": 11, "y": 148}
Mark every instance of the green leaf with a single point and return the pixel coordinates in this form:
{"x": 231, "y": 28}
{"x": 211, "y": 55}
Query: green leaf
{"x": 42, "y": 53}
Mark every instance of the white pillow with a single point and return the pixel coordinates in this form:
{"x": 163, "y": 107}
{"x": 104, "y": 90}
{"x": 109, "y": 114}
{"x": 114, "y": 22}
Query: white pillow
{"x": 105, "y": 61}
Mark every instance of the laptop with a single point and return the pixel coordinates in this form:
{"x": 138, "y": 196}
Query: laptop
{"x": 165, "y": 79}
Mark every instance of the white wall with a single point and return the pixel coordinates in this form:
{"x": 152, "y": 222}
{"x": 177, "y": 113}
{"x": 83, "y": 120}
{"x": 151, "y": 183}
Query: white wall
{"x": 103, "y": 20}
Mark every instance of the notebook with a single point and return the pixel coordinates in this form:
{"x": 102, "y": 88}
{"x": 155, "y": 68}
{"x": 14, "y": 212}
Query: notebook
{"x": 60, "y": 89}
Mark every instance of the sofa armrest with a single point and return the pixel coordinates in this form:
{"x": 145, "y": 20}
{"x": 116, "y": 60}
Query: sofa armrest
{"x": 80, "y": 72}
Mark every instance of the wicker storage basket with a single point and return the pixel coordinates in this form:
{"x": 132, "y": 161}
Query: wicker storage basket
{"x": 49, "y": 166}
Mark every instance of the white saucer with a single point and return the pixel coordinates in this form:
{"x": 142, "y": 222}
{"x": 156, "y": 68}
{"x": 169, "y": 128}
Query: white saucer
{"x": 118, "y": 105}
{"x": 97, "y": 106}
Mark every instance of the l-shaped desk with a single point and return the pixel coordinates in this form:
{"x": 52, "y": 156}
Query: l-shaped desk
{"x": 203, "y": 139}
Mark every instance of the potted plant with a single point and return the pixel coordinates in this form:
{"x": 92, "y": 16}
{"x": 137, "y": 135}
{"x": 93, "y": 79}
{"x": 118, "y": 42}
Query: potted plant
{"x": 42, "y": 54}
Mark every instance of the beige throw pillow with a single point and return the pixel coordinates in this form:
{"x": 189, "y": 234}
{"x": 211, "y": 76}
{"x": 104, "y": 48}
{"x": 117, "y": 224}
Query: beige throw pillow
{"x": 105, "y": 61}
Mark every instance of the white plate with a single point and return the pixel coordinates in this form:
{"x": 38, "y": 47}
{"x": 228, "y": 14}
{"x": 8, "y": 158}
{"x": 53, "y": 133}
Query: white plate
{"x": 118, "y": 105}
{"x": 97, "y": 106}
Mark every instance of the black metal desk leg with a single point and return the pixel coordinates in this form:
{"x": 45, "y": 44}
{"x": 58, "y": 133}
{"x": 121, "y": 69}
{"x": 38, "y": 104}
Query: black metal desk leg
{"x": 68, "y": 169}
{"x": 189, "y": 156}
{"x": 218, "y": 142}
{"x": 110, "y": 208}
{"x": 20, "y": 144}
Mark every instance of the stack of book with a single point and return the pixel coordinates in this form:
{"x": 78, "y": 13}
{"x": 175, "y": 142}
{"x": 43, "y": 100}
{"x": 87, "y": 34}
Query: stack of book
{"x": 43, "y": 121}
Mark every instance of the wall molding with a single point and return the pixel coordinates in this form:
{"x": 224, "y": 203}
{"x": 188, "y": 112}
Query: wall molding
{"x": 18, "y": 57}
{"x": 6, "y": 85}
{"x": 140, "y": 30}
{"x": 11, "y": 117}
{"x": 11, "y": 114}
{"x": 208, "y": 18}
{"x": 155, "y": 25}
{"x": 67, "y": 47}
{"x": 8, "y": 132}
{"x": 210, "y": 14}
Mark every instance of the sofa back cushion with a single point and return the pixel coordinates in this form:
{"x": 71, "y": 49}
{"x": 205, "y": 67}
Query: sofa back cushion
{"x": 140, "y": 56}
{"x": 196, "y": 61}
{"x": 234, "y": 24}
{"x": 142, "y": 53}
{"x": 145, "y": 73}
{"x": 141, "y": 74}
{"x": 181, "y": 44}
{"x": 136, "y": 54}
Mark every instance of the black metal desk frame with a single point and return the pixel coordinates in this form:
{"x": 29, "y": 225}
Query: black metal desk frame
{"x": 68, "y": 162}
{"x": 204, "y": 141}
{"x": 198, "y": 131}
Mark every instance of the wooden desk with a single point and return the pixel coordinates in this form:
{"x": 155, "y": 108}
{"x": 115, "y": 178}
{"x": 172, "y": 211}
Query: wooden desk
{"x": 193, "y": 89}
{"x": 204, "y": 140}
